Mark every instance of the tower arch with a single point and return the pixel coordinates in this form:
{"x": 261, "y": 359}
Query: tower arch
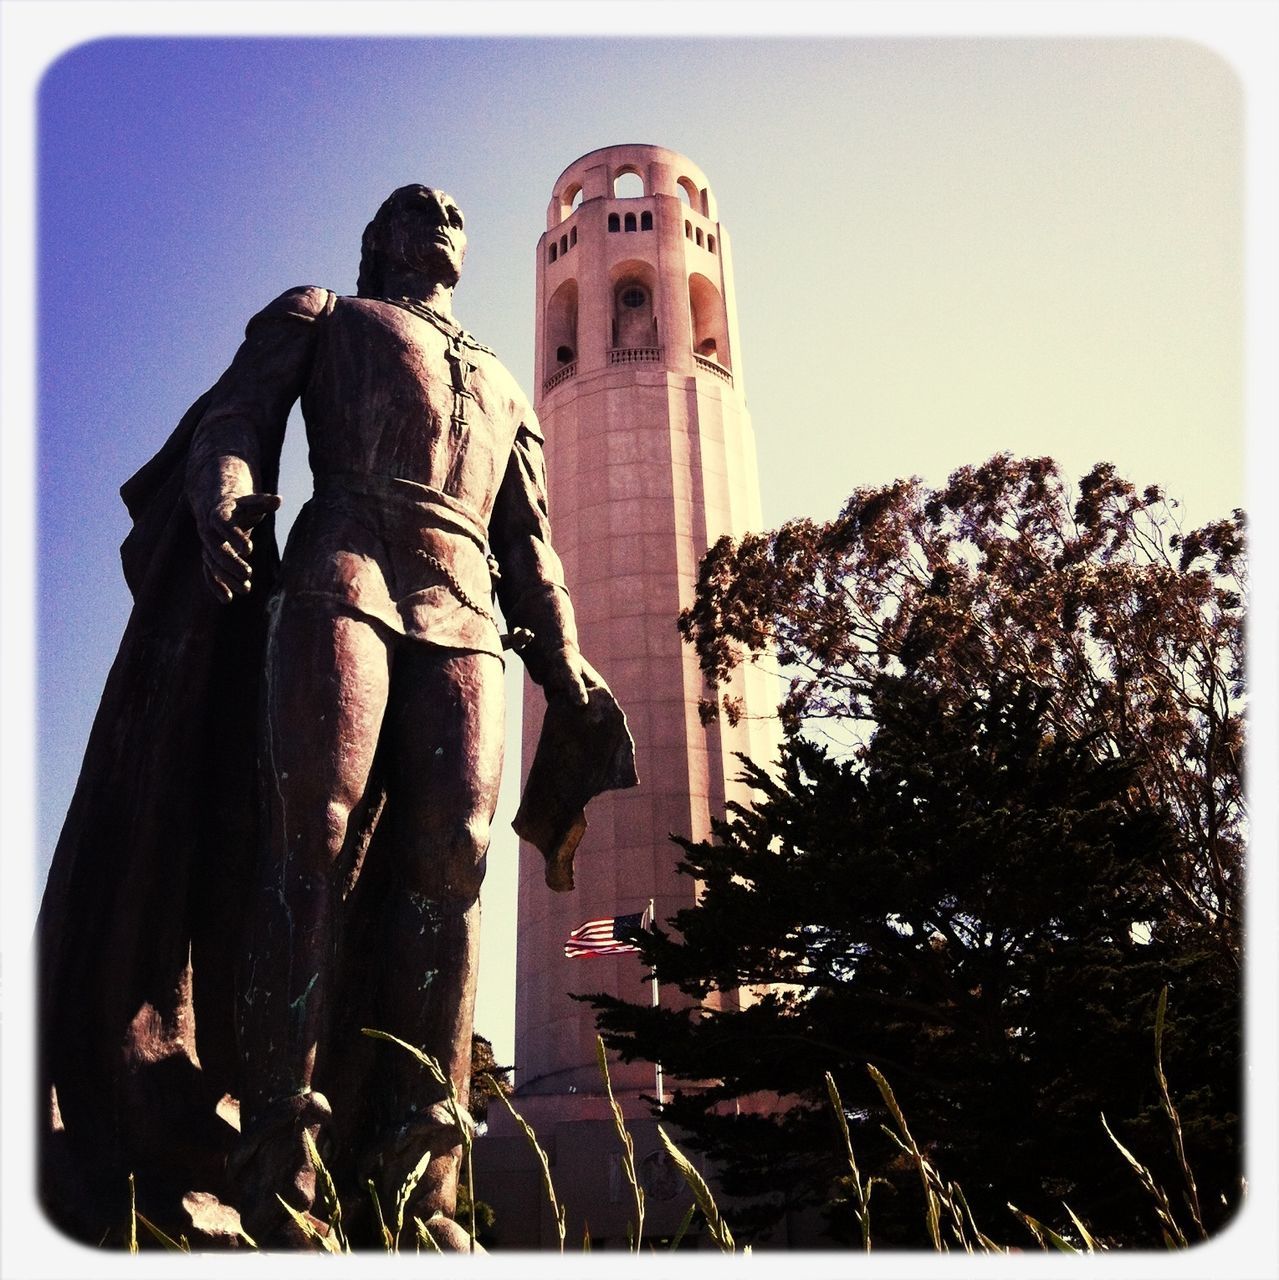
{"x": 709, "y": 320}
{"x": 560, "y": 348}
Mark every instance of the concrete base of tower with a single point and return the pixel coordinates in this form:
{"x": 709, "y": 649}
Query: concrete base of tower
{"x": 585, "y": 1156}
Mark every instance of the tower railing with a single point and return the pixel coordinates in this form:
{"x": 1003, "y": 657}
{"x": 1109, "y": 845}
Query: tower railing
{"x": 713, "y": 366}
{"x": 560, "y": 375}
{"x": 633, "y": 355}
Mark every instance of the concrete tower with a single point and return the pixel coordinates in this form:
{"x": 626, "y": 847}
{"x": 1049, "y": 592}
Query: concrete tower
{"x": 650, "y": 457}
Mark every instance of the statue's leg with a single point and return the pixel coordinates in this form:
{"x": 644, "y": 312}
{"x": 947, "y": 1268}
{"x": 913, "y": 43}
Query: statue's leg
{"x": 327, "y": 677}
{"x": 444, "y": 733}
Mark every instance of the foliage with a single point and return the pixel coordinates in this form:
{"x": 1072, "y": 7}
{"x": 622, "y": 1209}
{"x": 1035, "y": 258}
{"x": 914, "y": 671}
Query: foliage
{"x": 488, "y": 1079}
{"x": 956, "y": 906}
{"x": 1134, "y": 630}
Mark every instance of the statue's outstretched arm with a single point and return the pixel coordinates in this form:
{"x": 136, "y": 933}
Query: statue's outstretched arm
{"x": 242, "y": 430}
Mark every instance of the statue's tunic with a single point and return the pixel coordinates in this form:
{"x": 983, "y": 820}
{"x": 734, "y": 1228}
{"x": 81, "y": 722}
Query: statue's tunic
{"x": 427, "y": 458}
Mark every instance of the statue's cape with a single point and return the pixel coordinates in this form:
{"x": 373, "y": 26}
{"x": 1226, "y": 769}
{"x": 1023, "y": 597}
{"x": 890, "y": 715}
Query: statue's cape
{"x": 141, "y": 918}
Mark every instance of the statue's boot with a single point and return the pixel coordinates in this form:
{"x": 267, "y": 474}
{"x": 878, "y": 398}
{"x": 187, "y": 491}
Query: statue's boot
{"x": 272, "y": 1164}
{"x": 393, "y": 1163}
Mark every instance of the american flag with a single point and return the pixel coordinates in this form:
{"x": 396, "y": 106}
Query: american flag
{"x": 608, "y": 937}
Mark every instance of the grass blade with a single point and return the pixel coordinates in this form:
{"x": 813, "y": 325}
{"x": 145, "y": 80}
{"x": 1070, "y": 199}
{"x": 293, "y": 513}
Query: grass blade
{"x": 388, "y": 1242}
{"x": 678, "y": 1238}
{"x": 716, "y": 1225}
{"x": 133, "y": 1215}
{"x": 308, "y": 1228}
{"x": 1174, "y": 1237}
{"x": 330, "y": 1192}
{"x": 927, "y": 1174}
{"x": 862, "y": 1193}
{"x": 1044, "y": 1235}
{"x": 557, "y": 1209}
{"x": 424, "y": 1237}
{"x": 1174, "y": 1119}
{"x": 1090, "y": 1244}
{"x": 628, "y": 1147}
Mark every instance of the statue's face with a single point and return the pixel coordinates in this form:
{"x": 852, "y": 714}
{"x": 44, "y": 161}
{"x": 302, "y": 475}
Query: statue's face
{"x": 424, "y": 231}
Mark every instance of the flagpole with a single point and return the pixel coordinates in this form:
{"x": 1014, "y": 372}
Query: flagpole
{"x": 661, "y": 1101}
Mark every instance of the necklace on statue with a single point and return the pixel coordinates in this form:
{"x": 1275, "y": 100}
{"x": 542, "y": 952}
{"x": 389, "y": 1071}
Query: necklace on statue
{"x": 447, "y": 326}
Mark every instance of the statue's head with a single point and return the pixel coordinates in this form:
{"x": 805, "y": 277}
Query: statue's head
{"x": 416, "y": 228}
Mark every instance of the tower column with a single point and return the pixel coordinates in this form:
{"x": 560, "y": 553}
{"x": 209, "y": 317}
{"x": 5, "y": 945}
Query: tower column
{"x": 650, "y": 459}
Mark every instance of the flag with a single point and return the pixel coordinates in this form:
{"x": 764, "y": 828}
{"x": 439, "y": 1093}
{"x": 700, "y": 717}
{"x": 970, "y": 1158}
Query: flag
{"x": 608, "y": 937}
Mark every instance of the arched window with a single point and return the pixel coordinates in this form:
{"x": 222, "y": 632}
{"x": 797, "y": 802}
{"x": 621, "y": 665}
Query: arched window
{"x": 710, "y": 243}
{"x": 572, "y": 237}
{"x": 699, "y": 237}
{"x": 614, "y": 222}
{"x": 687, "y": 191}
{"x": 628, "y": 186}
{"x": 554, "y": 248}
{"x": 561, "y": 329}
{"x": 630, "y": 222}
{"x": 563, "y": 244}
{"x": 634, "y": 324}
{"x": 577, "y": 200}
{"x": 688, "y": 230}
{"x": 646, "y": 221}
{"x": 710, "y": 325}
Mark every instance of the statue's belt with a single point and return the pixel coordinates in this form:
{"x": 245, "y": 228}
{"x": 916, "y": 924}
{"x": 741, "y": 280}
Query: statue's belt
{"x": 431, "y": 525}
{"x": 398, "y": 509}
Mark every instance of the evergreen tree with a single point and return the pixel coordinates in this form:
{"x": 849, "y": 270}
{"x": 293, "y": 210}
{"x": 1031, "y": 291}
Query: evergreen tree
{"x": 971, "y": 909}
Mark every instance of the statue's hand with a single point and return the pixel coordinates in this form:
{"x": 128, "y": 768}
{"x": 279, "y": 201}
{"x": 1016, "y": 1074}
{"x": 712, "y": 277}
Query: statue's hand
{"x": 227, "y": 534}
{"x": 570, "y": 677}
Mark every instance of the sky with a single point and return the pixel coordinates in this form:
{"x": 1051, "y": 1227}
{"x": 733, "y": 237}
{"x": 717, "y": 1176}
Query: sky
{"x": 943, "y": 248}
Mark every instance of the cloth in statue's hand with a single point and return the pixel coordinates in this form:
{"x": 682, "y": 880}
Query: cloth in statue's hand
{"x": 582, "y": 750}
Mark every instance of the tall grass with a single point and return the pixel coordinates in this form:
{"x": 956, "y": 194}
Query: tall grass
{"x": 948, "y": 1219}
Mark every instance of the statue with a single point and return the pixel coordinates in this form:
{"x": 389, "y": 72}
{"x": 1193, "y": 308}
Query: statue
{"x": 280, "y": 829}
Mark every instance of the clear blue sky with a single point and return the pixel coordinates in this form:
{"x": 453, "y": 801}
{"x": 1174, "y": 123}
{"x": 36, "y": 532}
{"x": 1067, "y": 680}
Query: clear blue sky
{"x": 942, "y": 249}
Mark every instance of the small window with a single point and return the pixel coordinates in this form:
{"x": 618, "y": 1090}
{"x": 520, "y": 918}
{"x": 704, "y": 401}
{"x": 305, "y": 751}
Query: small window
{"x": 646, "y": 221}
{"x": 572, "y": 237}
{"x": 699, "y": 237}
{"x": 554, "y": 247}
{"x": 564, "y": 355}
{"x": 630, "y": 222}
{"x": 563, "y": 244}
{"x": 614, "y": 222}
{"x": 710, "y": 243}
{"x": 633, "y": 296}
{"x": 688, "y": 230}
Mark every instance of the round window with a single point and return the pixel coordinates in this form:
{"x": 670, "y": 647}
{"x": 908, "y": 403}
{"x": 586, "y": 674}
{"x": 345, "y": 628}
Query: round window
{"x": 633, "y": 297}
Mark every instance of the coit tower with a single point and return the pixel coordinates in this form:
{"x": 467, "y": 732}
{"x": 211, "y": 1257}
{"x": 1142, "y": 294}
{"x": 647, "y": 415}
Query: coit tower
{"x": 650, "y": 458}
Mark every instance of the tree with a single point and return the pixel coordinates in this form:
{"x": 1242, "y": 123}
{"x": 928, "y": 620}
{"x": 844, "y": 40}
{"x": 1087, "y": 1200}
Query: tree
{"x": 488, "y": 1079}
{"x": 1033, "y": 822}
{"x": 1134, "y": 629}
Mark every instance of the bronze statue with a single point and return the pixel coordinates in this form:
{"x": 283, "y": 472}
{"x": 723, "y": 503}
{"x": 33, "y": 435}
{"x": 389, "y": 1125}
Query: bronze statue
{"x": 280, "y": 830}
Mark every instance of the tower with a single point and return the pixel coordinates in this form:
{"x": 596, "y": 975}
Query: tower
{"x": 650, "y": 458}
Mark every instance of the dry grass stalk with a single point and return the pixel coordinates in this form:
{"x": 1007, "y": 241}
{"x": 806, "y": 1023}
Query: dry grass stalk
{"x": 628, "y": 1147}
{"x": 715, "y": 1224}
{"x": 558, "y": 1212}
